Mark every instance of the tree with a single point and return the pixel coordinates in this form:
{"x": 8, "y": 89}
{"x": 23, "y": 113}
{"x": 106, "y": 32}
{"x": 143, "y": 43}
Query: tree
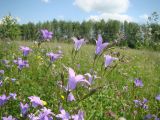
{"x": 9, "y": 29}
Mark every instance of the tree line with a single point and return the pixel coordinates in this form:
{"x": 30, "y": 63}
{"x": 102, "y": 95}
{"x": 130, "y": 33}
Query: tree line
{"x": 136, "y": 35}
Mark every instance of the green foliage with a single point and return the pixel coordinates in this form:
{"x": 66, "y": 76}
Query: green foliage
{"x": 9, "y": 29}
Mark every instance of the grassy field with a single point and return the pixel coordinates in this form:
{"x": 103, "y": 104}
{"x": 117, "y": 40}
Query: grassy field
{"x": 111, "y": 95}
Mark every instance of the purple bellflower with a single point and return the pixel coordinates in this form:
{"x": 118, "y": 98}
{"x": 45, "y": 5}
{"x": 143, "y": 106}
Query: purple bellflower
{"x": 1, "y": 71}
{"x": 12, "y": 96}
{"x": 53, "y": 56}
{"x": 100, "y": 46}
{"x": 21, "y": 63}
{"x": 140, "y": 103}
{"x": 3, "y": 99}
{"x": 70, "y": 97}
{"x": 63, "y": 115}
{"x": 74, "y": 79}
{"x": 24, "y": 108}
{"x": 1, "y": 83}
{"x": 8, "y": 118}
{"x": 78, "y": 43}
{"x": 45, "y": 114}
{"x": 79, "y": 116}
{"x": 46, "y": 34}
{"x": 138, "y": 83}
{"x": 36, "y": 101}
{"x": 108, "y": 60}
{"x": 158, "y": 97}
{"x": 25, "y": 50}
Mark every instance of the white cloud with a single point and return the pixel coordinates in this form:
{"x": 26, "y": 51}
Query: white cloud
{"x": 45, "y": 1}
{"x": 103, "y": 6}
{"x": 144, "y": 17}
{"x": 113, "y": 16}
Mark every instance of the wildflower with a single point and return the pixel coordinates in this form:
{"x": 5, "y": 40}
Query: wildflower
{"x": 36, "y": 101}
{"x": 8, "y": 118}
{"x": 3, "y": 99}
{"x": 5, "y": 62}
{"x": 21, "y": 63}
{"x": 74, "y": 79}
{"x": 141, "y": 104}
{"x": 53, "y": 56}
{"x": 25, "y": 50}
{"x": 108, "y": 60}
{"x": 1, "y": 83}
{"x": 158, "y": 97}
{"x": 148, "y": 116}
{"x": 46, "y": 114}
{"x": 24, "y": 108}
{"x": 13, "y": 79}
{"x": 138, "y": 83}
{"x": 1, "y": 71}
{"x": 63, "y": 115}
{"x": 78, "y": 43}
{"x": 46, "y": 34}
{"x": 100, "y": 46}
{"x": 44, "y": 102}
{"x": 62, "y": 97}
{"x": 79, "y": 116}
{"x": 70, "y": 97}
{"x": 12, "y": 95}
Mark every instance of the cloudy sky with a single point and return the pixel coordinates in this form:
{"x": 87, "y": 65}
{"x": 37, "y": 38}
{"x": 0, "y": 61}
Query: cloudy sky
{"x": 79, "y": 10}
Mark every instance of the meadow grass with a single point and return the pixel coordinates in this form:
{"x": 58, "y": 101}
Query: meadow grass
{"x": 114, "y": 90}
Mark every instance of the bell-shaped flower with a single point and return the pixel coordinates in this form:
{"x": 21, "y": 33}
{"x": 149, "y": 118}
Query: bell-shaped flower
{"x": 108, "y": 60}
{"x": 78, "y": 43}
{"x": 138, "y": 83}
{"x": 3, "y": 99}
{"x": 45, "y": 114}
{"x": 25, "y": 50}
{"x": 100, "y": 46}
{"x": 24, "y": 108}
{"x": 70, "y": 97}
{"x": 74, "y": 79}
{"x": 53, "y": 56}
{"x": 79, "y": 116}
{"x": 8, "y": 118}
{"x": 63, "y": 115}
{"x": 36, "y": 101}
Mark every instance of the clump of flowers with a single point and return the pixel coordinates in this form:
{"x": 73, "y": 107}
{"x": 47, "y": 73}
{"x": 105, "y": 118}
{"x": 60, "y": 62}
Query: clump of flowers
{"x": 141, "y": 103}
{"x": 46, "y": 35}
{"x": 21, "y": 63}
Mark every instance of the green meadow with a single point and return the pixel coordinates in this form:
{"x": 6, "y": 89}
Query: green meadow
{"x": 111, "y": 95}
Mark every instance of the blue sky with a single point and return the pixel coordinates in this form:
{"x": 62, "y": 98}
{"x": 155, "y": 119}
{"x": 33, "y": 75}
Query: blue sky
{"x": 78, "y": 10}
